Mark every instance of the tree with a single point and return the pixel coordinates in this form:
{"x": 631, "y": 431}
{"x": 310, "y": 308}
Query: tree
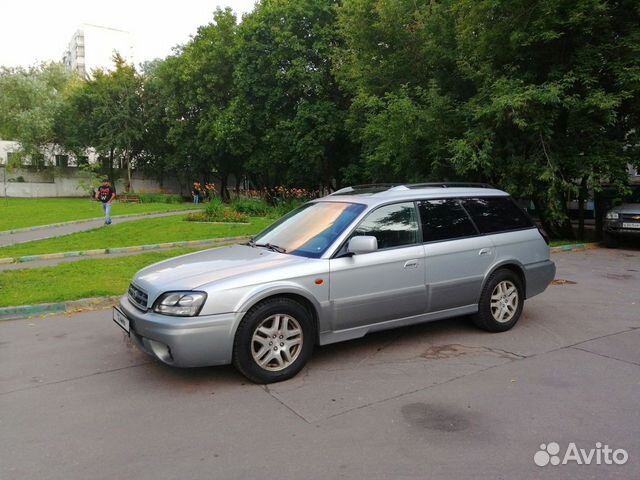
{"x": 288, "y": 97}
{"x": 105, "y": 112}
{"x": 556, "y": 96}
{"x": 30, "y": 100}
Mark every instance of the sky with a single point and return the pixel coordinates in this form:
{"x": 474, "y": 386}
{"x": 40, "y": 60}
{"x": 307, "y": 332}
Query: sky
{"x": 33, "y": 31}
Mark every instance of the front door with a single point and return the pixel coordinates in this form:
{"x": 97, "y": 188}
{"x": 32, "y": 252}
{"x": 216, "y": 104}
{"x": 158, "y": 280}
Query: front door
{"x": 386, "y": 284}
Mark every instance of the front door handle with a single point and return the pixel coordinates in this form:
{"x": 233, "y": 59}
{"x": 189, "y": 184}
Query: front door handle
{"x": 411, "y": 264}
{"x": 485, "y": 251}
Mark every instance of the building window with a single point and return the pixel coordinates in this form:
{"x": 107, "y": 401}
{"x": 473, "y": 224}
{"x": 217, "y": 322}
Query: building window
{"x": 82, "y": 160}
{"x": 62, "y": 160}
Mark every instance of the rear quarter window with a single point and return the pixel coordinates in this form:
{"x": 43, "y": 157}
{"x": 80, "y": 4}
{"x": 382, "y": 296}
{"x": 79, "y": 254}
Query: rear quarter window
{"x": 496, "y": 214}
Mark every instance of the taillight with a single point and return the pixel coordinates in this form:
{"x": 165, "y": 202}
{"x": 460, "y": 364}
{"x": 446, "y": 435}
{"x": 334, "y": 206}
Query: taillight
{"x": 544, "y": 234}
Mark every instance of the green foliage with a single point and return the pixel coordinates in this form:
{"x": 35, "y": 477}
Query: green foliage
{"x": 214, "y": 208}
{"x": 217, "y": 211}
{"x": 30, "y": 101}
{"x": 254, "y": 207}
{"x": 283, "y": 207}
{"x": 541, "y": 99}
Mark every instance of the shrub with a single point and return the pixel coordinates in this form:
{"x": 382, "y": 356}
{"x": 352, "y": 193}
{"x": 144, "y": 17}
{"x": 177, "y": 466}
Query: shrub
{"x": 284, "y": 207}
{"x": 254, "y": 207}
{"x": 216, "y": 211}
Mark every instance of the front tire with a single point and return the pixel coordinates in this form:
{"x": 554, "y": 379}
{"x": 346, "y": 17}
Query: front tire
{"x": 274, "y": 341}
{"x": 501, "y": 302}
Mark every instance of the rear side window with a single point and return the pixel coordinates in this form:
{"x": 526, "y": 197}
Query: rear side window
{"x": 444, "y": 220}
{"x": 496, "y": 214}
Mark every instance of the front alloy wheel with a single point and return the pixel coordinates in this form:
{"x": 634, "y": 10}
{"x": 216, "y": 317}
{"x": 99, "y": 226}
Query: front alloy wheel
{"x": 277, "y": 342}
{"x": 274, "y": 340}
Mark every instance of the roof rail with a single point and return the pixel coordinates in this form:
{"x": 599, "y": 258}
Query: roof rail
{"x": 382, "y": 187}
{"x": 449, "y": 185}
{"x": 366, "y": 188}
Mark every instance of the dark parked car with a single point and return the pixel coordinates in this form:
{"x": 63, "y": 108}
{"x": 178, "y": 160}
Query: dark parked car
{"x": 623, "y": 222}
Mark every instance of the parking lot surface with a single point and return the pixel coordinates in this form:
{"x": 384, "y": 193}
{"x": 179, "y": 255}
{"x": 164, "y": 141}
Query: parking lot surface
{"x": 441, "y": 400}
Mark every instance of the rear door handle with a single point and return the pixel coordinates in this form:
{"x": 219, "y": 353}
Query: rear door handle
{"x": 485, "y": 251}
{"x": 411, "y": 264}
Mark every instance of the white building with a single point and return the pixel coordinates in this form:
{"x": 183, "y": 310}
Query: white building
{"x": 93, "y": 47}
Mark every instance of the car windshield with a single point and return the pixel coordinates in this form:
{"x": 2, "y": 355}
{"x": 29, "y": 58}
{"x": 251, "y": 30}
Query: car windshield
{"x": 309, "y": 230}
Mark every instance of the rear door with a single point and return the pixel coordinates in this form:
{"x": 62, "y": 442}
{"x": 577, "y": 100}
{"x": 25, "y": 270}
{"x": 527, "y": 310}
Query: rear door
{"x": 457, "y": 257}
{"x": 388, "y": 283}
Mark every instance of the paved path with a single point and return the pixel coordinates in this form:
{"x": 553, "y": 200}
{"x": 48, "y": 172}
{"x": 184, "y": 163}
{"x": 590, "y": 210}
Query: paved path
{"x": 437, "y": 401}
{"x": 28, "y": 236}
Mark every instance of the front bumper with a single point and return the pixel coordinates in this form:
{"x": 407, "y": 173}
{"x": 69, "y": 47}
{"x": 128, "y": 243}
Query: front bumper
{"x": 538, "y": 276}
{"x": 616, "y": 228}
{"x": 183, "y": 341}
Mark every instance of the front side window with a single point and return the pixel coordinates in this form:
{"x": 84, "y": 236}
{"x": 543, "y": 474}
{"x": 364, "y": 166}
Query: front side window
{"x": 444, "y": 219}
{"x": 309, "y": 230}
{"x": 496, "y": 214}
{"x": 393, "y": 225}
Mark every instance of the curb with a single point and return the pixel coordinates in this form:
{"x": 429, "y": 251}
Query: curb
{"x": 576, "y": 247}
{"x": 27, "y": 311}
{"x": 133, "y": 249}
{"x": 87, "y": 220}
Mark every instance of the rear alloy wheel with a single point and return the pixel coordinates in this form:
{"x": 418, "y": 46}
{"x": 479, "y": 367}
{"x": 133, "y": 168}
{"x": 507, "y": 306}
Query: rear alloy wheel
{"x": 501, "y": 302}
{"x": 274, "y": 341}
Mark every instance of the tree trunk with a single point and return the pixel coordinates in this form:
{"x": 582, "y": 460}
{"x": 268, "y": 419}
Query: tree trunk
{"x": 224, "y": 194}
{"x": 581, "y": 199}
{"x": 128, "y": 160}
{"x": 111, "y": 176}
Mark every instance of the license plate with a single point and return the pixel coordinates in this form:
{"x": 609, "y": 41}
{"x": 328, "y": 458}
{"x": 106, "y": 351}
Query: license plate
{"x": 121, "y": 319}
{"x": 631, "y": 225}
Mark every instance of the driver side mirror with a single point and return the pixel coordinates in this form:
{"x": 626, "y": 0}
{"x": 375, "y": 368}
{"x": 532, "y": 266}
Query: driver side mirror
{"x": 362, "y": 244}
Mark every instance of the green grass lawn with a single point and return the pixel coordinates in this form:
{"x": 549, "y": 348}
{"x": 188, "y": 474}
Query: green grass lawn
{"x": 30, "y": 212}
{"x": 75, "y": 280}
{"x": 138, "y": 232}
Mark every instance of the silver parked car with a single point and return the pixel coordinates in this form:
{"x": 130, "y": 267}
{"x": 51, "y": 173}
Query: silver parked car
{"x": 358, "y": 261}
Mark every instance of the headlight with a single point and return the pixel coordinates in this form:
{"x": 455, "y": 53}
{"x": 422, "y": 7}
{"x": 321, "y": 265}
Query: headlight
{"x": 612, "y": 215}
{"x": 181, "y": 304}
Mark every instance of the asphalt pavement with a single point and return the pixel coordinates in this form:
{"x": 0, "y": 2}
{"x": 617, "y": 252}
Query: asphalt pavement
{"x": 436, "y": 401}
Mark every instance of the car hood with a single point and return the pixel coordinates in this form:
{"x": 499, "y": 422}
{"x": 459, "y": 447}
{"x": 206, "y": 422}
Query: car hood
{"x": 628, "y": 209}
{"x": 193, "y": 270}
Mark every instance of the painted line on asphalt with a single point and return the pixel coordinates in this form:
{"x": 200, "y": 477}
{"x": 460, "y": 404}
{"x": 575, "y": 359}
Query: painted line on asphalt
{"x": 120, "y": 250}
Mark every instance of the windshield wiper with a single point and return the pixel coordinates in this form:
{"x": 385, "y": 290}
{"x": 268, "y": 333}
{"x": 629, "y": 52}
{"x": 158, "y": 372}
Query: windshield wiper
{"x": 270, "y": 246}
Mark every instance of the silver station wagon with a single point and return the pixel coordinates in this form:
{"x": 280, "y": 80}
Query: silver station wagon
{"x": 357, "y": 261}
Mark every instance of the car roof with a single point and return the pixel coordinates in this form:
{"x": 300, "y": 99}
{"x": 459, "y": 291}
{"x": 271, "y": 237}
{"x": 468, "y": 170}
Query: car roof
{"x": 374, "y": 195}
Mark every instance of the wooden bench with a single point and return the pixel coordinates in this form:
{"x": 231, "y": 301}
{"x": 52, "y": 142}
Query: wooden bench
{"x": 128, "y": 198}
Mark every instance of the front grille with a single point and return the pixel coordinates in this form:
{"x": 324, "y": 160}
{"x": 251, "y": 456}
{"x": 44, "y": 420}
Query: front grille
{"x": 137, "y": 297}
{"x": 628, "y": 217}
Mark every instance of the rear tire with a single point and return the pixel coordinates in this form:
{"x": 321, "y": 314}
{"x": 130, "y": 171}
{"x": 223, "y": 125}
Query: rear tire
{"x": 274, "y": 341}
{"x": 501, "y": 302}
